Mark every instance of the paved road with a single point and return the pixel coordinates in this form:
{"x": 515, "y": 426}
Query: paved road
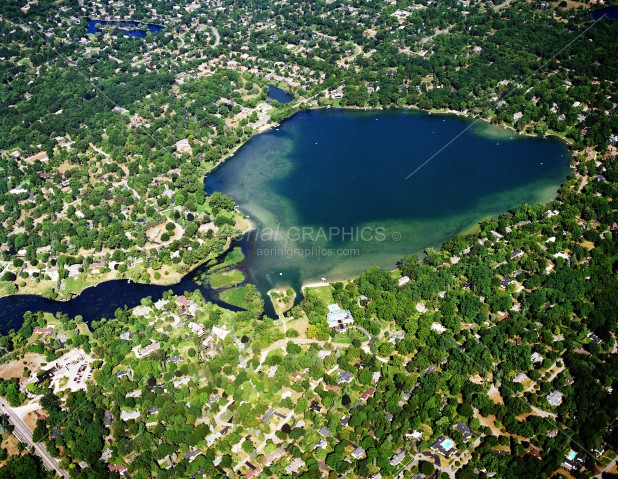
{"x": 24, "y": 434}
{"x": 608, "y": 468}
{"x": 362, "y": 330}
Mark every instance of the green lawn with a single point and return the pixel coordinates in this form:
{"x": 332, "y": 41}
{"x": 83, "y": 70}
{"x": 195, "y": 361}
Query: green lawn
{"x": 324, "y": 293}
{"x": 73, "y": 285}
{"x": 235, "y": 296}
{"x": 7, "y": 288}
{"x": 226, "y": 279}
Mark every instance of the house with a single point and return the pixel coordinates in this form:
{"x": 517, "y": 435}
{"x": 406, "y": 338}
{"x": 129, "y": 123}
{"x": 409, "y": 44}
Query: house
{"x": 268, "y": 415}
{"x": 574, "y": 461}
{"x": 119, "y": 468}
{"x": 520, "y": 378}
{"x": 272, "y": 457}
{"x": 183, "y": 146}
{"x": 337, "y": 92}
{"x": 397, "y": 458}
{"x": 141, "y": 311}
{"x": 297, "y": 464}
{"x": 183, "y": 302}
{"x": 505, "y": 282}
{"x": 345, "y": 377}
{"x": 253, "y": 472}
{"x": 443, "y": 445}
{"x": 598, "y": 450}
{"x": 358, "y": 453}
{"x": 594, "y": 338}
{"x": 403, "y": 280}
{"x": 396, "y": 336}
{"x": 97, "y": 265}
{"x": 335, "y": 389}
{"x": 43, "y": 331}
{"x": 344, "y": 421}
{"x": 324, "y": 353}
{"x": 465, "y": 431}
{"x": 181, "y": 382}
{"x": 220, "y": 333}
{"x": 437, "y": 327}
{"x": 315, "y": 407}
{"x": 108, "y": 419}
{"x": 555, "y": 398}
{"x": 212, "y": 400}
{"x": 517, "y": 254}
{"x": 151, "y": 348}
{"x": 190, "y": 456}
{"x": 128, "y": 415}
{"x": 127, "y": 373}
{"x": 324, "y": 432}
{"x": 368, "y": 394}
{"x": 536, "y": 358}
{"x": 160, "y": 304}
{"x": 338, "y": 318}
{"x": 196, "y": 329}
{"x": 416, "y": 435}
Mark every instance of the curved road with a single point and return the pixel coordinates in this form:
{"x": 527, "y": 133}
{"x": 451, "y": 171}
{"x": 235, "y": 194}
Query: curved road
{"x": 24, "y": 434}
{"x": 281, "y": 343}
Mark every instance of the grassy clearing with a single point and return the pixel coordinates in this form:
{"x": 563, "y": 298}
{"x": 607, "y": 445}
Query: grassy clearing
{"x": 235, "y": 296}
{"x": 226, "y": 279}
{"x": 324, "y": 293}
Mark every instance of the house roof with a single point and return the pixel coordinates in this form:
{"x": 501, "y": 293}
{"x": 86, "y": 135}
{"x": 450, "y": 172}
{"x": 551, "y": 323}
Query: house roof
{"x": 191, "y": 455}
{"x": 253, "y": 472}
{"x": 368, "y": 394}
{"x": 345, "y": 377}
{"x": 358, "y": 452}
{"x": 554, "y": 398}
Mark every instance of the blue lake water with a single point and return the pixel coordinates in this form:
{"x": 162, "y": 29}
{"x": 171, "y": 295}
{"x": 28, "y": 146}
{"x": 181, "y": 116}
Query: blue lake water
{"x": 610, "y": 12}
{"x": 125, "y": 27}
{"x": 329, "y": 195}
{"x": 280, "y": 95}
{"x": 99, "y": 301}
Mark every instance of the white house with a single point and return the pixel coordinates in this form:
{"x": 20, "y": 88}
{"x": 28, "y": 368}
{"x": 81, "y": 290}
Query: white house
{"x": 338, "y": 318}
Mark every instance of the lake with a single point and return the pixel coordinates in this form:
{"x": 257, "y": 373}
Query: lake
{"x": 329, "y": 195}
{"x": 125, "y": 27}
{"x": 611, "y": 12}
{"x": 100, "y": 301}
{"x": 280, "y": 95}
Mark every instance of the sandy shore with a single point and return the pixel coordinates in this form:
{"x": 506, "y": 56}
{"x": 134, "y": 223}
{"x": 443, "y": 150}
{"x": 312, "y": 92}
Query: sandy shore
{"x": 314, "y": 285}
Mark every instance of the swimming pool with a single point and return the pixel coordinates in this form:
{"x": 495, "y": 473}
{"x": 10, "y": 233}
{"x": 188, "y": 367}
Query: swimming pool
{"x": 447, "y": 444}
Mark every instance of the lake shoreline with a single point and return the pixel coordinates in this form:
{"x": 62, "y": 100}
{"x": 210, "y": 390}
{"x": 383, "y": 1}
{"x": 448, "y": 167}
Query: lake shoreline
{"x": 171, "y": 279}
{"x": 175, "y": 277}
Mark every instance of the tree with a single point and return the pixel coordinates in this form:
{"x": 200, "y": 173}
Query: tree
{"x": 426, "y": 468}
{"x": 465, "y": 410}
